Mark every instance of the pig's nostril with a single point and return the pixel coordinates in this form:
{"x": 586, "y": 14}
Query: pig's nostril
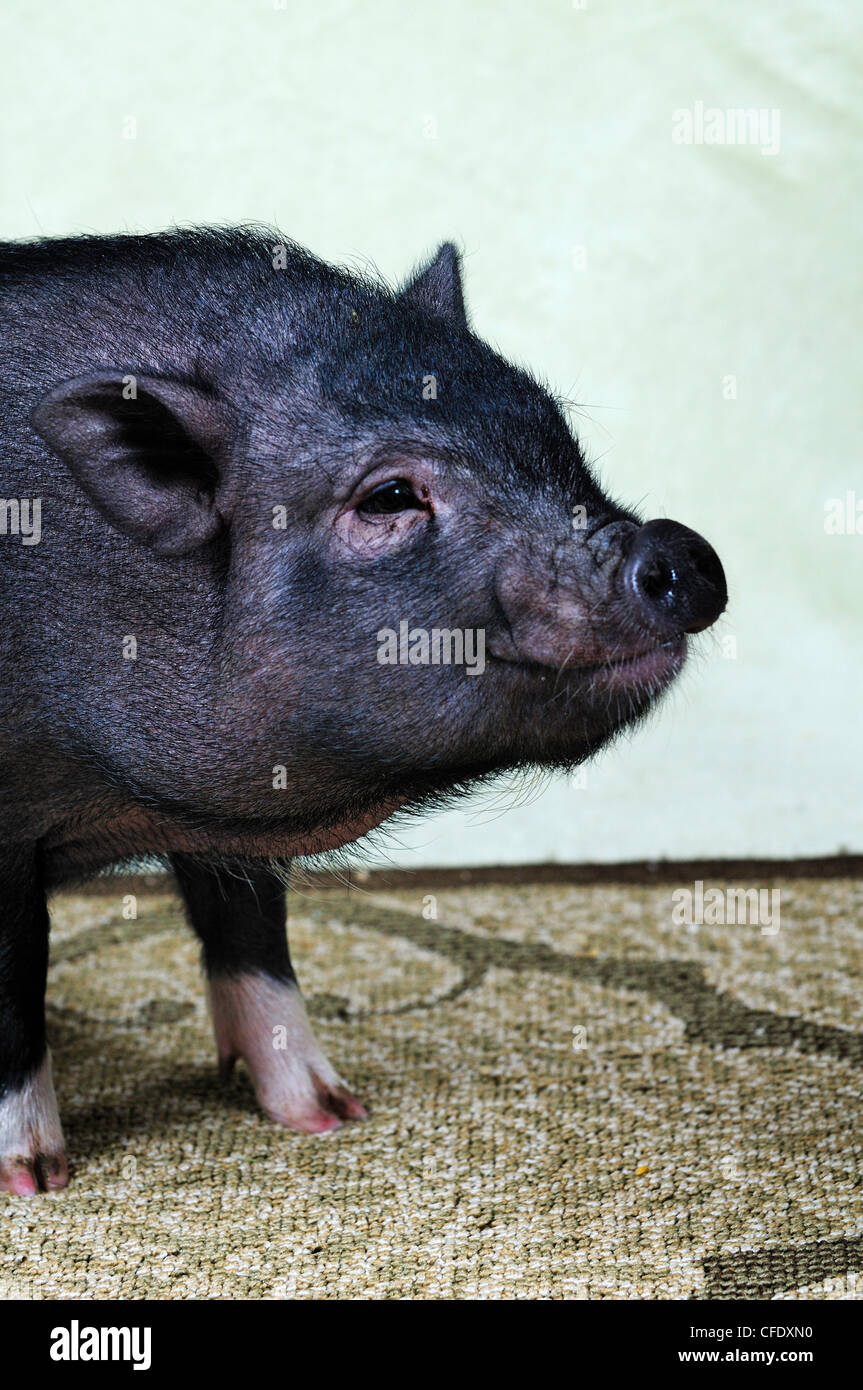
{"x": 676, "y": 578}
{"x": 657, "y": 582}
{"x": 706, "y": 563}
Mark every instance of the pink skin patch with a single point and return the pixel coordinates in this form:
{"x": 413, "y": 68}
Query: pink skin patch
{"x": 265, "y": 1023}
{"x": 32, "y": 1157}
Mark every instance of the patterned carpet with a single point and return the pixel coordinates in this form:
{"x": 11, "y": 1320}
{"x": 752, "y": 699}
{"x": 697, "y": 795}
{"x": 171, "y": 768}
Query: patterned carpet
{"x": 571, "y": 1097}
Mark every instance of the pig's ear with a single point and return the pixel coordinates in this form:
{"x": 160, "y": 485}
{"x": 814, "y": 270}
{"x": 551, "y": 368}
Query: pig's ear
{"x": 147, "y": 451}
{"x": 438, "y": 287}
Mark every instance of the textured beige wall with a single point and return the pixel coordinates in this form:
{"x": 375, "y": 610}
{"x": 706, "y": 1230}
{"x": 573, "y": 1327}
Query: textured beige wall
{"x": 635, "y": 273}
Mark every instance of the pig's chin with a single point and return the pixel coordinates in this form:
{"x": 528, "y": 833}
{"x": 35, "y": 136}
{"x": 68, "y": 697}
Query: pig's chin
{"x": 560, "y": 714}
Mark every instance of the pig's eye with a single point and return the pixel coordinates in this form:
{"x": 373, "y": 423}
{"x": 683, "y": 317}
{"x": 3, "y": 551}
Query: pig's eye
{"x": 391, "y": 497}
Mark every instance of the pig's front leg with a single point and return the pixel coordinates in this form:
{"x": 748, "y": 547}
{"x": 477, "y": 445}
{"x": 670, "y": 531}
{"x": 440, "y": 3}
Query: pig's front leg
{"x": 258, "y": 1012}
{"x": 32, "y": 1156}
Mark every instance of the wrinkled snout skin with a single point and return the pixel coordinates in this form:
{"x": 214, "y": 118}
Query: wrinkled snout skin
{"x": 309, "y": 552}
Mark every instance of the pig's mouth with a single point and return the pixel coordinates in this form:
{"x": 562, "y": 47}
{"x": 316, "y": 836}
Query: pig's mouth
{"x": 650, "y": 667}
{"x": 653, "y": 666}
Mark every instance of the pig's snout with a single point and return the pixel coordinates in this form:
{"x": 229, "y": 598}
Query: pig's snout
{"x": 675, "y": 577}
{"x": 631, "y": 591}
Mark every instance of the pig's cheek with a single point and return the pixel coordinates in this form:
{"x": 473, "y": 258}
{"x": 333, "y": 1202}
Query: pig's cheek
{"x": 264, "y": 1022}
{"x": 32, "y": 1156}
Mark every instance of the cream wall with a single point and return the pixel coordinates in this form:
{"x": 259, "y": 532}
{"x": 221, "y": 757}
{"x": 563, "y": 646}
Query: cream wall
{"x": 635, "y": 273}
